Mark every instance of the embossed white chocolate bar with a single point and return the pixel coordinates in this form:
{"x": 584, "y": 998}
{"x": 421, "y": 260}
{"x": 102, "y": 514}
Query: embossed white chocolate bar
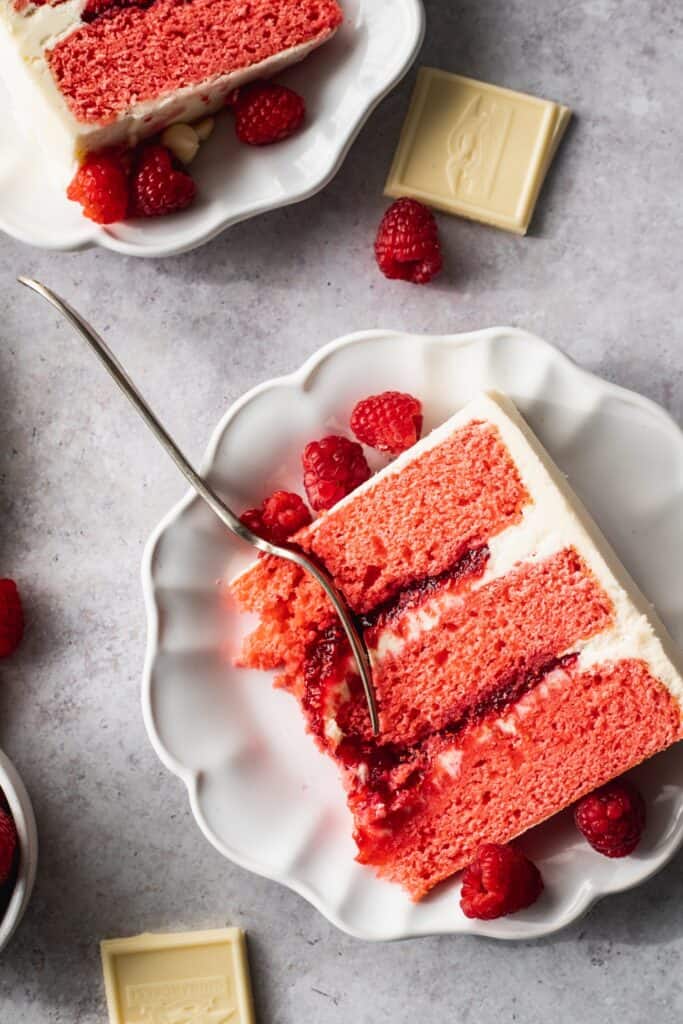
{"x": 202, "y": 977}
{"x": 475, "y": 149}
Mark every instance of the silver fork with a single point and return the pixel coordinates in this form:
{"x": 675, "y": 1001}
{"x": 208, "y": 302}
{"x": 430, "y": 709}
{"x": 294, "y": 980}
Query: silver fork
{"x": 226, "y": 515}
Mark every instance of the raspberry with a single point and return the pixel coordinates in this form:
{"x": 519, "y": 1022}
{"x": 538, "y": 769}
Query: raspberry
{"x": 8, "y": 845}
{"x": 266, "y": 113}
{"x": 11, "y": 618}
{"x": 96, "y": 8}
{"x": 333, "y": 467}
{"x": 252, "y": 518}
{"x": 500, "y": 881}
{"x": 390, "y": 422}
{"x": 283, "y": 514}
{"x": 407, "y": 245}
{"x": 612, "y": 818}
{"x": 100, "y": 185}
{"x": 157, "y": 187}
{"x": 280, "y": 516}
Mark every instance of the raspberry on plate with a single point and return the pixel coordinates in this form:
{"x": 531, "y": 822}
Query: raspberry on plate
{"x": 390, "y": 422}
{"x": 157, "y": 187}
{"x": 8, "y": 844}
{"x": 95, "y": 8}
{"x": 11, "y": 618}
{"x": 266, "y": 113}
{"x": 500, "y": 881}
{"x": 333, "y": 467}
{"x": 612, "y": 819}
{"x": 100, "y": 185}
{"x": 252, "y": 518}
{"x": 280, "y": 516}
{"x": 407, "y": 245}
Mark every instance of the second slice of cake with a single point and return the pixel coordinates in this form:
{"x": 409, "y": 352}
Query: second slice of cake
{"x": 85, "y": 74}
{"x": 516, "y": 665}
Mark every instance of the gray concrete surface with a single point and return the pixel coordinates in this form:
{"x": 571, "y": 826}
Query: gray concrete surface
{"x": 81, "y": 487}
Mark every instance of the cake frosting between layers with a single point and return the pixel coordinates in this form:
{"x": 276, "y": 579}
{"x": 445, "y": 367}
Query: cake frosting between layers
{"x": 502, "y": 629}
{"x": 81, "y": 82}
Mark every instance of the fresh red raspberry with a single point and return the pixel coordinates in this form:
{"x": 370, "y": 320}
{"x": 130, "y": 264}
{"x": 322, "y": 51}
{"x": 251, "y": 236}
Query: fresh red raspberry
{"x": 500, "y": 881}
{"x": 253, "y": 520}
{"x": 157, "y": 187}
{"x": 333, "y": 468}
{"x": 100, "y": 185}
{"x": 266, "y": 112}
{"x": 280, "y": 516}
{"x": 390, "y": 422}
{"x": 8, "y": 845}
{"x": 11, "y": 618}
{"x": 283, "y": 514}
{"x": 96, "y": 8}
{"x": 612, "y": 818}
{"x": 407, "y": 246}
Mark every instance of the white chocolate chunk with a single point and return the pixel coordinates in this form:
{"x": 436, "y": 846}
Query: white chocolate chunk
{"x": 182, "y": 140}
{"x": 204, "y": 128}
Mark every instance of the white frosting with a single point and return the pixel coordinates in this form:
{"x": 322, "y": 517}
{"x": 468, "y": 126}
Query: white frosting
{"x": 40, "y": 107}
{"x": 555, "y": 520}
{"x": 332, "y": 731}
{"x": 450, "y": 760}
{"x": 560, "y": 520}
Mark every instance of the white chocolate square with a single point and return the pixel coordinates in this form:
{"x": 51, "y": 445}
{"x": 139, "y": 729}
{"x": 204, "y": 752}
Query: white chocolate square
{"x": 201, "y": 977}
{"x": 476, "y": 150}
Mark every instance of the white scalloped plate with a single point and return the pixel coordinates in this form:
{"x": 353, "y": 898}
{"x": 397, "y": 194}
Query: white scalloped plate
{"x": 343, "y": 82}
{"x": 259, "y": 790}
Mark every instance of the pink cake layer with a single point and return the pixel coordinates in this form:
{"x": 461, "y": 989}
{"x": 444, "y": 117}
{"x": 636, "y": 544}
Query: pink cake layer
{"x": 132, "y": 54}
{"x": 423, "y": 813}
{"x": 409, "y": 527}
{"x": 502, "y": 632}
{"x": 421, "y": 521}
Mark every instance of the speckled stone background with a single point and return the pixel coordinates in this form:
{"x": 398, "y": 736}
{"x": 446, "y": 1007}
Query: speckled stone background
{"x": 81, "y": 486}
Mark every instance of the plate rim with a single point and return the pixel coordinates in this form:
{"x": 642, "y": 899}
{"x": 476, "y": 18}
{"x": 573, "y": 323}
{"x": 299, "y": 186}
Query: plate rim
{"x": 95, "y": 236}
{"x": 588, "y": 894}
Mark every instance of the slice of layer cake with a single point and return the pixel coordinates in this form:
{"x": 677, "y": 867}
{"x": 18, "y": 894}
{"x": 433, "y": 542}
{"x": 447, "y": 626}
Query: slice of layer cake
{"x": 92, "y": 73}
{"x": 516, "y": 665}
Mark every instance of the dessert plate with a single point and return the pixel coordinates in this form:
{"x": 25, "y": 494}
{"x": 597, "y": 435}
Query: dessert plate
{"x": 342, "y": 84}
{"x": 259, "y": 789}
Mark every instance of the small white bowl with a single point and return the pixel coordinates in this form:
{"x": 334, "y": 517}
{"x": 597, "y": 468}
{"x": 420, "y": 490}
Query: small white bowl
{"x": 24, "y": 818}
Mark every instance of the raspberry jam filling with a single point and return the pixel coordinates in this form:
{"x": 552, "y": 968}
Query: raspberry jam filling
{"x": 324, "y": 674}
{"x": 389, "y": 784}
{"x": 472, "y": 564}
{"x": 382, "y": 759}
{"x": 331, "y": 690}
